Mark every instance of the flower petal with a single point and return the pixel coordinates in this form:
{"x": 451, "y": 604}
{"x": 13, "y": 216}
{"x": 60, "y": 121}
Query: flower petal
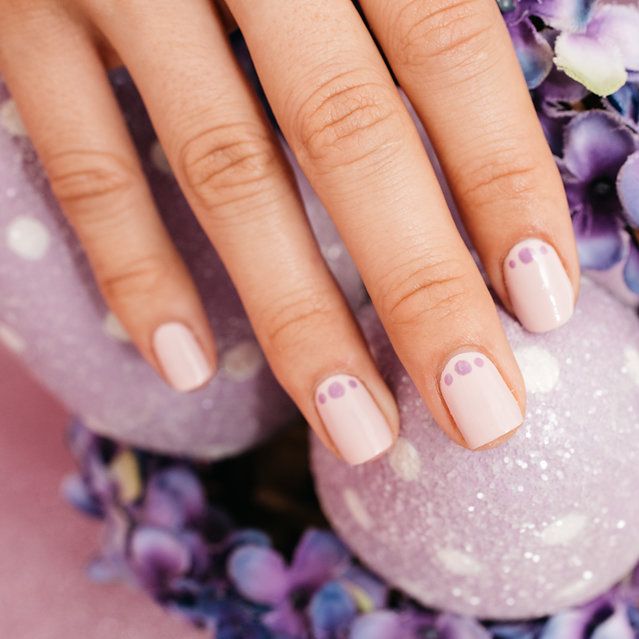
{"x": 533, "y": 52}
{"x": 599, "y": 66}
{"x": 331, "y": 611}
{"x": 631, "y": 268}
{"x": 451, "y": 626}
{"x": 596, "y": 144}
{"x": 628, "y": 188}
{"x": 566, "y": 15}
{"x": 259, "y": 574}
{"x": 618, "y": 25}
{"x": 599, "y": 242}
{"x": 380, "y": 624}
{"x": 285, "y": 620}
{"x": 157, "y": 556}
{"x": 616, "y": 626}
{"x": 319, "y": 556}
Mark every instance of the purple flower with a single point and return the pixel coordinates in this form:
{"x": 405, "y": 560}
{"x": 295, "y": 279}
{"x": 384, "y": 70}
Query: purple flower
{"x": 600, "y": 52}
{"x": 261, "y": 575}
{"x": 596, "y": 146}
{"x": 380, "y": 624}
{"x": 158, "y": 557}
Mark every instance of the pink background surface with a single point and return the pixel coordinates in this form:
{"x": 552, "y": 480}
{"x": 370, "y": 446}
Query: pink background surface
{"x": 45, "y": 544}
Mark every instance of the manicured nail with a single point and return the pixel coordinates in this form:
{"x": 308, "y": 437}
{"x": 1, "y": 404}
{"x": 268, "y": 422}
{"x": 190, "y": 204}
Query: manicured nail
{"x": 181, "y": 357}
{"x": 478, "y": 399}
{"x": 353, "y": 420}
{"x": 539, "y": 288}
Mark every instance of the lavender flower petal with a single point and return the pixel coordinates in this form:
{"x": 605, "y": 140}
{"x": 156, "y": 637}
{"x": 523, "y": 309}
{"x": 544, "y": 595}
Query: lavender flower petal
{"x": 319, "y": 556}
{"x": 259, "y": 574}
{"x": 451, "y": 626}
{"x": 631, "y": 268}
{"x": 533, "y": 52}
{"x": 628, "y": 188}
{"x": 617, "y": 626}
{"x": 331, "y": 611}
{"x": 566, "y": 15}
{"x": 618, "y": 25}
{"x": 381, "y": 624}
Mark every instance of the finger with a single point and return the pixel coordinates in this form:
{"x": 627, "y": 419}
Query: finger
{"x": 95, "y": 174}
{"x": 343, "y": 117}
{"x": 457, "y": 64}
{"x": 231, "y": 169}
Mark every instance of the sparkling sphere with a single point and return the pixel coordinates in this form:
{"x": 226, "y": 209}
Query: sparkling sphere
{"x": 548, "y": 519}
{"x": 52, "y": 315}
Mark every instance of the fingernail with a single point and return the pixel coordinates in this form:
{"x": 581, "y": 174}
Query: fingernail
{"x": 538, "y": 286}
{"x": 352, "y": 418}
{"x": 478, "y": 399}
{"x": 181, "y": 357}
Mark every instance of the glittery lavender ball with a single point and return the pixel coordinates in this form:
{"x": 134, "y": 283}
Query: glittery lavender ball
{"x": 543, "y": 522}
{"x": 52, "y": 315}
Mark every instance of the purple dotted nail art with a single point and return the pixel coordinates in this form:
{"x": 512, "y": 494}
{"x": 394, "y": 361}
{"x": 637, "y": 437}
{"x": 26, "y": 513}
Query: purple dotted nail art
{"x": 525, "y": 255}
{"x": 479, "y": 362}
{"x": 322, "y": 398}
{"x": 448, "y": 379}
{"x": 462, "y": 367}
{"x": 336, "y": 390}
{"x": 512, "y": 263}
{"x": 352, "y": 383}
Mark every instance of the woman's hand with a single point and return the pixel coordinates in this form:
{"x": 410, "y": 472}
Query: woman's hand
{"x": 340, "y": 111}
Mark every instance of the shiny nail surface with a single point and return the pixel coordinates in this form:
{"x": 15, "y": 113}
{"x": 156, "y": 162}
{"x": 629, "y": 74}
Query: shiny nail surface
{"x": 478, "y": 398}
{"x": 538, "y": 286}
{"x": 183, "y": 362}
{"x": 352, "y": 419}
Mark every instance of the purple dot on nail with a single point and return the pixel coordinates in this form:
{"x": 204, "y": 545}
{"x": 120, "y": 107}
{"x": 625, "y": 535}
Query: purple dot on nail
{"x": 448, "y": 379}
{"x": 543, "y": 249}
{"x": 512, "y": 263}
{"x": 322, "y": 398}
{"x": 463, "y": 367}
{"x": 336, "y": 389}
{"x": 479, "y": 362}
{"x": 525, "y": 255}
{"x": 352, "y": 383}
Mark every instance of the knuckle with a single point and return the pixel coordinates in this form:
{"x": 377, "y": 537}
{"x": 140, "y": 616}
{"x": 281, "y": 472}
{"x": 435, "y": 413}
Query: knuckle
{"x": 227, "y": 163}
{"x": 415, "y": 294}
{"x": 506, "y": 177}
{"x": 296, "y": 318}
{"x": 84, "y": 179}
{"x": 134, "y": 279}
{"x": 441, "y": 32}
{"x": 345, "y": 121}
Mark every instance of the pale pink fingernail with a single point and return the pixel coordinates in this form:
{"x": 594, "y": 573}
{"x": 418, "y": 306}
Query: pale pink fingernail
{"x": 478, "y": 399}
{"x": 181, "y": 357}
{"x": 538, "y": 286}
{"x": 352, "y": 418}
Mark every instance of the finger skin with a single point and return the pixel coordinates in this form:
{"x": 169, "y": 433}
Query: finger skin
{"x": 95, "y": 174}
{"x": 232, "y": 170}
{"x": 456, "y": 62}
{"x": 344, "y": 119}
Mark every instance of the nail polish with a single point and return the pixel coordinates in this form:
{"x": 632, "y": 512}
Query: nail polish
{"x": 183, "y": 362}
{"x": 540, "y": 291}
{"x": 478, "y": 398}
{"x": 352, "y": 419}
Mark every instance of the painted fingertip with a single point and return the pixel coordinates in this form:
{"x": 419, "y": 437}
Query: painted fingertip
{"x": 538, "y": 285}
{"x": 478, "y": 399}
{"x": 352, "y": 418}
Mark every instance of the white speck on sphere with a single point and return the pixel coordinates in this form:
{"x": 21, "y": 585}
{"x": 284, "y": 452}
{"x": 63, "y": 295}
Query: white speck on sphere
{"x": 459, "y": 563}
{"x": 113, "y": 328}
{"x": 631, "y": 363}
{"x": 563, "y": 530}
{"x": 243, "y": 361}
{"x": 159, "y": 159}
{"x": 10, "y": 338}
{"x": 357, "y": 509}
{"x": 405, "y": 460}
{"x": 539, "y": 367}
{"x": 27, "y": 237}
{"x": 10, "y": 119}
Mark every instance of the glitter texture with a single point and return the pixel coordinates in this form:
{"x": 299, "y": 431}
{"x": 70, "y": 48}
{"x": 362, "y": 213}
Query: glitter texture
{"x": 555, "y": 523}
